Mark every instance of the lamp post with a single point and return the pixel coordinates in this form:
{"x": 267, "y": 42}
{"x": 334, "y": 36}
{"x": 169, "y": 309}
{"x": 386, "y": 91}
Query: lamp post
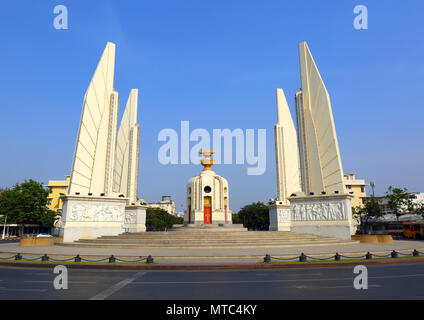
{"x": 4, "y": 227}
{"x": 372, "y": 187}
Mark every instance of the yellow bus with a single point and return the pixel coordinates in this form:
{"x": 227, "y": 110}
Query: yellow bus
{"x": 413, "y": 230}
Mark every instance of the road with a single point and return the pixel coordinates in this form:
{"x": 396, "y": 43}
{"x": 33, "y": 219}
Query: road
{"x": 384, "y": 282}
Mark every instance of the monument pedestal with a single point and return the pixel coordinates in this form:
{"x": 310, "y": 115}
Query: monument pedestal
{"x": 279, "y": 217}
{"x": 91, "y": 217}
{"x": 329, "y": 216}
{"x": 217, "y": 217}
{"x": 207, "y": 196}
{"x": 135, "y": 218}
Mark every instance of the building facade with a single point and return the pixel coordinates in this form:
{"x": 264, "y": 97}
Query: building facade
{"x": 166, "y": 204}
{"x": 356, "y": 188}
{"x": 57, "y": 188}
{"x": 389, "y": 214}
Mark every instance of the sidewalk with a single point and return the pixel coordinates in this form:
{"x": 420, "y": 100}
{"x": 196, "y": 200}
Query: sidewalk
{"x": 210, "y": 255}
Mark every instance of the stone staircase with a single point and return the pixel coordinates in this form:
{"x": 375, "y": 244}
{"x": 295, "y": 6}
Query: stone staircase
{"x": 208, "y": 238}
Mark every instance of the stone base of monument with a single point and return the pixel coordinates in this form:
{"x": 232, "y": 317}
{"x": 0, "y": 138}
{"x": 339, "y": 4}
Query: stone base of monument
{"x": 217, "y": 218}
{"x": 135, "y": 218}
{"x": 203, "y": 229}
{"x": 219, "y": 227}
{"x": 279, "y": 217}
{"x": 91, "y": 217}
{"x": 325, "y": 215}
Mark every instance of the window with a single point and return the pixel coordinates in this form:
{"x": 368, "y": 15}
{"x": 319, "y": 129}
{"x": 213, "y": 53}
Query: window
{"x": 362, "y": 189}
{"x": 349, "y": 187}
{"x": 207, "y": 189}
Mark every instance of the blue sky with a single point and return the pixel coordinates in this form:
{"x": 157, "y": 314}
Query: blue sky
{"x": 217, "y": 64}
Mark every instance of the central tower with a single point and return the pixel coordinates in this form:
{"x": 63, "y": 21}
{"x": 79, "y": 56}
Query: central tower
{"x": 207, "y": 196}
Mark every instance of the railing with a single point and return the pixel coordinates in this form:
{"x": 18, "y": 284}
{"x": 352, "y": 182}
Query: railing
{"x": 78, "y": 258}
{"x": 338, "y": 257}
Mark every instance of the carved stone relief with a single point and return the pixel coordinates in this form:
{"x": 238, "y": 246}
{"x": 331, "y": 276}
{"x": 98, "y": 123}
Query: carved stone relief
{"x": 318, "y": 211}
{"x": 96, "y": 213}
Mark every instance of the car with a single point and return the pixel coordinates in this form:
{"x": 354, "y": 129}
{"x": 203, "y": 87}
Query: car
{"x": 44, "y": 235}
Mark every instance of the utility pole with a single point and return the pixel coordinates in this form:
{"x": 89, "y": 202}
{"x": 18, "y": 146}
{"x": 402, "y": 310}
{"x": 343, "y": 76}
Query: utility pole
{"x": 372, "y": 186}
{"x": 4, "y": 227}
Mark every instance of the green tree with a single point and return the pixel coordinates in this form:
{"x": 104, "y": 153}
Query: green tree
{"x": 178, "y": 220}
{"x": 236, "y": 219}
{"x": 419, "y": 208}
{"x": 158, "y": 219}
{"x": 9, "y": 199}
{"x": 399, "y": 201}
{"x": 370, "y": 210}
{"x": 26, "y": 203}
{"x": 254, "y": 216}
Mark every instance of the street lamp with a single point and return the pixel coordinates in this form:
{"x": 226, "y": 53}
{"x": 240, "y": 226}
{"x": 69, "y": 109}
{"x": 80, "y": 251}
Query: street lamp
{"x": 372, "y": 187}
{"x": 4, "y": 227}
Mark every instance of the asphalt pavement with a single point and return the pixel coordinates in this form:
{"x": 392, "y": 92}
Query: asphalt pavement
{"x": 384, "y": 282}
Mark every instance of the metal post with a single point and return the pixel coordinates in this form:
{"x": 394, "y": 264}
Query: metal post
{"x": 372, "y": 186}
{"x": 4, "y": 227}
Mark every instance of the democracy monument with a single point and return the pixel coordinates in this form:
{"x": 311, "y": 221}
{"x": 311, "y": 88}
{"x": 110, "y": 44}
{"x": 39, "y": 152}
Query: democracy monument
{"x": 102, "y": 196}
{"x": 207, "y": 195}
{"x": 311, "y": 197}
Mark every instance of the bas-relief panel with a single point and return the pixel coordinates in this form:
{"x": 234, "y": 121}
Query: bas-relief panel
{"x": 96, "y": 213}
{"x": 318, "y": 211}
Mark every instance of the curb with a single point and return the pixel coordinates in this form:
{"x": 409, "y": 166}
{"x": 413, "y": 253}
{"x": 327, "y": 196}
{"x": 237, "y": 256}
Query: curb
{"x": 215, "y": 266}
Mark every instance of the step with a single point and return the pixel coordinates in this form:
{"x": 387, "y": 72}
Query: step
{"x": 209, "y": 238}
{"x": 207, "y": 246}
{"x": 253, "y": 236}
{"x": 150, "y": 241}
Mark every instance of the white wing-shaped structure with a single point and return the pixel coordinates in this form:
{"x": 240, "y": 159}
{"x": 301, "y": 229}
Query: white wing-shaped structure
{"x": 127, "y": 151}
{"x": 92, "y": 168}
{"x": 320, "y": 162}
{"x": 286, "y": 151}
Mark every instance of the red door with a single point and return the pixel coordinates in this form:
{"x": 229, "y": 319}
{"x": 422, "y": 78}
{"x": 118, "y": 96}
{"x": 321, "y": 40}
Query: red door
{"x": 207, "y": 215}
{"x": 189, "y": 214}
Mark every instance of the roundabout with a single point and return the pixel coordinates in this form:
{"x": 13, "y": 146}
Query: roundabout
{"x": 211, "y": 248}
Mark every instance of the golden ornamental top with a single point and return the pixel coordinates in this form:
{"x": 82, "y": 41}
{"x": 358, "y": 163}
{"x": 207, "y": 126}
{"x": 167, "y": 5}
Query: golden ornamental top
{"x": 207, "y": 163}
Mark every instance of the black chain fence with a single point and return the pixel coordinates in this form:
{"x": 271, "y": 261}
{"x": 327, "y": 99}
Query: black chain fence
{"x": 77, "y": 258}
{"x": 338, "y": 257}
{"x": 267, "y": 259}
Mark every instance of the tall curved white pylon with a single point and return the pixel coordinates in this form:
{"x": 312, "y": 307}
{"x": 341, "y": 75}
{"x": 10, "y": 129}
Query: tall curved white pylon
{"x": 92, "y": 168}
{"x": 320, "y": 162}
{"x": 127, "y": 151}
{"x": 286, "y": 151}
